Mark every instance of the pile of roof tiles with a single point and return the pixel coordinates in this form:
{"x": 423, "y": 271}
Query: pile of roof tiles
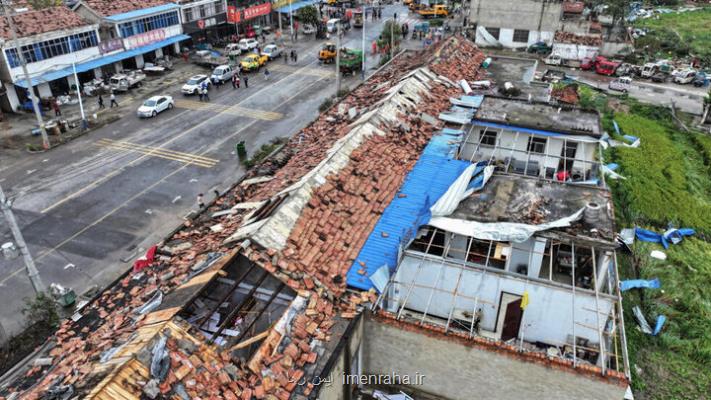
{"x": 336, "y": 222}
{"x": 573, "y": 7}
{"x": 113, "y": 7}
{"x": 35, "y": 22}
{"x": 566, "y": 94}
{"x": 573, "y": 38}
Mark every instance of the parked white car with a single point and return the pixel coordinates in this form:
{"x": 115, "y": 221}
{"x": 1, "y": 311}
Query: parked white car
{"x": 685, "y": 76}
{"x": 223, "y": 73}
{"x": 272, "y": 51}
{"x": 155, "y": 105}
{"x": 248, "y": 44}
{"x": 192, "y": 86}
{"x": 233, "y": 49}
{"x": 621, "y": 84}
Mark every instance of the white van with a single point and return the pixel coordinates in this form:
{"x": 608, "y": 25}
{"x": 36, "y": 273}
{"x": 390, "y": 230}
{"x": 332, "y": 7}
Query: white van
{"x": 332, "y": 25}
{"x": 223, "y": 73}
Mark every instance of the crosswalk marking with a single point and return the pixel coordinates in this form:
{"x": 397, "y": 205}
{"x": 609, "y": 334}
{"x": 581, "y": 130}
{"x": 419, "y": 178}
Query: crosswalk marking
{"x": 234, "y": 110}
{"x": 291, "y": 69}
{"x": 172, "y": 155}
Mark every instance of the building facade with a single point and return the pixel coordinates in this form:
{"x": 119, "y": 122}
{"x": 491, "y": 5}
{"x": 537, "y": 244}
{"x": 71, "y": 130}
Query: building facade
{"x": 203, "y": 19}
{"x": 50, "y": 41}
{"x": 514, "y": 23}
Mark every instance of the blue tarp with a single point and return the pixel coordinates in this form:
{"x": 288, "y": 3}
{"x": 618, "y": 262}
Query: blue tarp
{"x": 640, "y": 284}
{"x": 100, "y": 62}
{"x": 429, "y": 179}
{"x": 295, "y": 6}
{"x": 660, "y": 323}
{"x": 672, "y": 236}
{"x": 142, "y": 12}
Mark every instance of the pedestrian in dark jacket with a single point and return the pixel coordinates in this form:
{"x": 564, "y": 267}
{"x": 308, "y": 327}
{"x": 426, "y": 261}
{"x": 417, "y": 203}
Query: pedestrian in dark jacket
{"x": 101, "y": 103}
{"x": 246, "y": 82}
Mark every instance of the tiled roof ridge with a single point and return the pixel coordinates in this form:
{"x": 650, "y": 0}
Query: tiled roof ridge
{"x": 108, "y": 8}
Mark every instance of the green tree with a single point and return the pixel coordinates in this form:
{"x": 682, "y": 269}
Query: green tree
{"x": 390, "y": 27}
{"x": 307, "y": 15}
{"x": 41, "y": 312}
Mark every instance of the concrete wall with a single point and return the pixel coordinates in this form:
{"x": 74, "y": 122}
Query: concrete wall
{"x": 354, "y": 345}
{"x": 540, "y": 17}
{"x": 548, "y": 317}
{"x": 506, "y": 38}
{"x": 458, "y": 372}
{"x": 587, "y": 147}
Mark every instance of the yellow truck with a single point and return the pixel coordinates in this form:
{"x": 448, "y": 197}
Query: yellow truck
{"x": 439, "y": 10}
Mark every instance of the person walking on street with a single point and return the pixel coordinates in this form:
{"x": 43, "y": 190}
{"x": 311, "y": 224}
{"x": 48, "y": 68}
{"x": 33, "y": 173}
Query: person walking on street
{"x": 205, "y": 93}
{"x": 246, "y": 82}
{"x": 55, "y": 107}
{"x": 101, "y": 103}
{"x": 295, "y": 57}
{"x": 266, "y": 74}
{"x": 235, "y": 81}
{"x": 200, "y": 93}
{"x": 200, "y": 201}
{"x": 113, "y": 100}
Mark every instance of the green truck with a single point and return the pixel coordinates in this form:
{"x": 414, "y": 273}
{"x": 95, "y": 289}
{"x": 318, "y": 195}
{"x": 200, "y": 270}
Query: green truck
{"x": 351, "y": 61}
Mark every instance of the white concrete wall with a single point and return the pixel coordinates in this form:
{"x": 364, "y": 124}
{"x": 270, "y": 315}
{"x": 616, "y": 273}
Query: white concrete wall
{"x": 506, "y": 38}
{"x": 59, "y": 62}
{"x": 547, "y": 319}
{"x": 574, "y": 51}
{"x": 455, "y": 371}
{"x": 507, "y": 139}
{"x": 541, "y": 18}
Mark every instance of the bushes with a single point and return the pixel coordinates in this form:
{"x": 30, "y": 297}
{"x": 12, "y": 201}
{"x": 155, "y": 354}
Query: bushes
{"x": 656, "y": 191}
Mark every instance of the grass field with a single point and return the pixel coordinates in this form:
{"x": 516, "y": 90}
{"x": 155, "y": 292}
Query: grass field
{"x": 668, "y": 181}
{"x": 678, "y": 34}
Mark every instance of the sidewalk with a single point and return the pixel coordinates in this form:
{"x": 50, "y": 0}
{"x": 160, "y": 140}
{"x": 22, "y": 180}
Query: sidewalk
{"x": 15, "y": 129}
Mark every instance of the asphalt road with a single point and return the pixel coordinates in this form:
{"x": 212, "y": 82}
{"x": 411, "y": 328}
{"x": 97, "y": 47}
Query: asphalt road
{"x": 90, "y": 207}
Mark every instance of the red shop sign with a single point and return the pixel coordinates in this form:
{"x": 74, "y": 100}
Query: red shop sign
{"x": 256, "y": 11}
{"x": 233, "y": 15}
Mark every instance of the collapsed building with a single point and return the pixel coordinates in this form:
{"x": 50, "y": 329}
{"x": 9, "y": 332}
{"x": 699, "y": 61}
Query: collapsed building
{"x": 389, "y": 245}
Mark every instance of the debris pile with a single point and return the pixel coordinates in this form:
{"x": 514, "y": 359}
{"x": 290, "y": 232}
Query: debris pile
{"x": 573, "y": 38}
{"x": 566, "y": 94}
{"x": 107, "y": 8}
{"x": 321, "y": 246}
{"x": 36, "y": 22}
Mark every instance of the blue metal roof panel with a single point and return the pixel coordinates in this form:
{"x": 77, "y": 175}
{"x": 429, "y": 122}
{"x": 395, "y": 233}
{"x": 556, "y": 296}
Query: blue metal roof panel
{"x": 429, "y": 179}
{"x": 295, "y": 6}
{"x": 142, "y": 12}
{"x": 99, "y": 62}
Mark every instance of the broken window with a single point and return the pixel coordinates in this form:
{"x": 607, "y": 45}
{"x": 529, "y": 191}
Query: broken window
{"x": 430, "y": 241}
{"x": 537, "y": 145}
{"x": 488, "y": 138}
{"x": 494, "y": 32}
{"x": 520, "y": 36}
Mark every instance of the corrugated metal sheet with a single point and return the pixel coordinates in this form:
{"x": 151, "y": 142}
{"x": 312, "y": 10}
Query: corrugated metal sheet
{"x": 430, "y": 178}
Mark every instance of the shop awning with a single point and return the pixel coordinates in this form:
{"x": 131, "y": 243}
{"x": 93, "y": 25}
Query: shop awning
{"x": 295, "y": 6}
{"x": 100, "y": 62}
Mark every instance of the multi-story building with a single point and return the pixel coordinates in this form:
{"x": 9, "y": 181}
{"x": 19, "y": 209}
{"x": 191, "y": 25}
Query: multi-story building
{"x": 50, "y": 40}
{"x": 203, "y": 19}
{"x": 514, "y": 23}
{"x": 134, "y": 32}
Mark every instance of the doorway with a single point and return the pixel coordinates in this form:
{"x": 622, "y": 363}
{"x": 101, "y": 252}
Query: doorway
{"x": 508, "y": 320}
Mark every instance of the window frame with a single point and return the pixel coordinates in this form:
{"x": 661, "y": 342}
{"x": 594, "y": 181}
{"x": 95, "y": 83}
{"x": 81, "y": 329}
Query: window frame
{"x": 491, "y": 31}
{"x": 486, "y": 136}
{"x": 534, "y": 142}
{"x": 519, "y": 32}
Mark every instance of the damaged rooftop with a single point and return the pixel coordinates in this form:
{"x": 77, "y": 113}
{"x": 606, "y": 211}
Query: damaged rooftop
{"x": 542, "y": 116}
{"x": 318, "y": 199}
{"x": 520, "y": 199}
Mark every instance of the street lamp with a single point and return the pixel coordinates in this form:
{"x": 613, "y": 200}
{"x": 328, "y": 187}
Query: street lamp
{"x": 30, "y": 89}
{"x": 84, "y": 124}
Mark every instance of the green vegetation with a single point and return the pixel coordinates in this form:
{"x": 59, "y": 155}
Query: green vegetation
{"x": 667, "y": 182}
{"x": 677, "y": 35}
{"x": 265, "y": 151}
{"x": 307, "y": 15}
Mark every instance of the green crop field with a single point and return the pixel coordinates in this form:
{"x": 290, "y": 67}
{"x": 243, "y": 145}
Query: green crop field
{"x": 668, "y": 181}
{"x": 678, "y": 35}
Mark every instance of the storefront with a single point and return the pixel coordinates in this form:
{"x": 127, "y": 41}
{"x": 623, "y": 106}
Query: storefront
{"x": 250, "y": 18}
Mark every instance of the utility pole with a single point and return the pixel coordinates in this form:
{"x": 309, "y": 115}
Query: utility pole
{"x": 338, "y": 57}
{"x": 291, "y": 19}
{"x": 30, "y": 89}
{"x": 392, "y": 37}
{"x": 32, "y": 272}
{"x": 84, "y": 124}
{"x": 362, "y": 69}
